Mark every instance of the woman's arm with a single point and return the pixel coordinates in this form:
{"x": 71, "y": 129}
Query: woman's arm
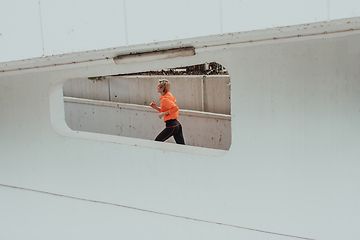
{"x": 170, "y": 106}
{"x": 173, "y": 109}
{"x": 154, "y": 106}
{"x": 163, "y": 114}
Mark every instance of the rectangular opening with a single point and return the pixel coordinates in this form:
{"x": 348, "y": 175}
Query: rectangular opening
{"x": 119, "y": 105}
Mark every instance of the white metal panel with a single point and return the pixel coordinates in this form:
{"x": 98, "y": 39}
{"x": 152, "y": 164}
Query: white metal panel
{"x": 344, "y": 9}
{"x": 163, "y": 20}
{"x": 312, "y": 88}
{"x": 292, "y": 168}
{"x": 20, "y": 30}
{"x": 248, "y": 15}
{"x": 73, "y": 26}
{"x": 42, "y": 216}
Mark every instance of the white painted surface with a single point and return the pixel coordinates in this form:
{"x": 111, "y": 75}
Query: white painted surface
{"x": 73, "y": 26}
{"x": 163, "y": 20}
{"x": 249, "y": 15}
{"x": 136, "y": 121}
{"x": 292, "y": 168}
{"x": 20, "y": 30}
{"x": 31, "y": 29}
{"x": 343, "y": 9}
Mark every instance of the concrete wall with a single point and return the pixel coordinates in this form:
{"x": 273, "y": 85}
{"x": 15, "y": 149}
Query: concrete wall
{"x": 89, "y": 89}
{"x": 129, "y": 120}
{"x": 199, "y": 93}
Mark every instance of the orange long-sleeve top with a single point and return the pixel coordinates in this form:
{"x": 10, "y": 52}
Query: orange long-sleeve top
{"x": 168, "y": 104}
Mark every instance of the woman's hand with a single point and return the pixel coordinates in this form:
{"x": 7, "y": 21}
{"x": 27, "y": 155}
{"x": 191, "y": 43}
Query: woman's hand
{"x": 163, "y": 114}
{"x": 153, "y": 105}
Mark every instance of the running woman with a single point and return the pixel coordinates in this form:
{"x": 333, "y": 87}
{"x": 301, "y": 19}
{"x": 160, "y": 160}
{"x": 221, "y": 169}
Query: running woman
{"x": 170, "y": 112}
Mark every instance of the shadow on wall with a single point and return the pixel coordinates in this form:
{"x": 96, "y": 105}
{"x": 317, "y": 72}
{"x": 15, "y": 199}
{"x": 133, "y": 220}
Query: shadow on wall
{"x": 119, "y": 105}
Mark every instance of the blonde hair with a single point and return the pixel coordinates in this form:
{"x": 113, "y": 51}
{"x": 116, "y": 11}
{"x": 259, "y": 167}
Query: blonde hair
{"x": 164, "y": 83}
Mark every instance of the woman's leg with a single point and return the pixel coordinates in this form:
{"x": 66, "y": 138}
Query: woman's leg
{"x": 165, "y": 134}
{"x": 178, "y": 135}
{"x": 173, "y": 128}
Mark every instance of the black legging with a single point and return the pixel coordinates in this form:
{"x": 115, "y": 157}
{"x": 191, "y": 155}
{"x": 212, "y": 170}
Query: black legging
{"x": 173, "y": 128}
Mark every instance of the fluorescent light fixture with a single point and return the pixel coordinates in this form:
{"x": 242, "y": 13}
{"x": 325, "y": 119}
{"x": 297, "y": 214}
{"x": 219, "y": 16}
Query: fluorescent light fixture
{"x": 156, "y": 55}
